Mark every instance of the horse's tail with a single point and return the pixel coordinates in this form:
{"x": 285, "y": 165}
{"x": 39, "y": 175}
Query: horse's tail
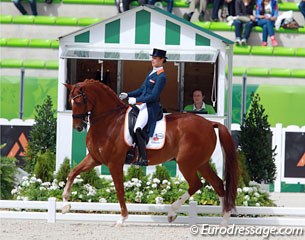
{"x": 231, "y": 166}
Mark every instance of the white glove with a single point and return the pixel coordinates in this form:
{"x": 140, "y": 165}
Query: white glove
{"x": 123, "y": 95}
{"x": 132, "y": 100}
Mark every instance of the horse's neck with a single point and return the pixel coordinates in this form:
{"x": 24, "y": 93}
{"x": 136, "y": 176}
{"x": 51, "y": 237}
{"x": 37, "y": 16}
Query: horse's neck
{"x": 105, "y": 102}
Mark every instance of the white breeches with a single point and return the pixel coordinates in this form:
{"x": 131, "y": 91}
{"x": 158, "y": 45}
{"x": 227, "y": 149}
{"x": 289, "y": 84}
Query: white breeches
{"x": 142, "y": 117}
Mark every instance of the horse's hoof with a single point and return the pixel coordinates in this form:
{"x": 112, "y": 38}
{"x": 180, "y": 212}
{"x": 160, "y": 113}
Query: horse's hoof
{"x": 120, "y": 222}
{"x": 171, "y": 218}
{"x": 224, "y": 223}
{"x": 66, "y": 209}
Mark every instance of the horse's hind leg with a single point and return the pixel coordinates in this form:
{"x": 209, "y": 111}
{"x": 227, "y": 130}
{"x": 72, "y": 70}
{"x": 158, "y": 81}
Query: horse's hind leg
{"x": 209, "y": 175}
{"x": 194, "y": 185}
{"x": 86, "y": 164}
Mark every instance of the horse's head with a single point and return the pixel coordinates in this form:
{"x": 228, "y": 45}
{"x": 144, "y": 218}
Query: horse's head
{"x": 80, "y": 106}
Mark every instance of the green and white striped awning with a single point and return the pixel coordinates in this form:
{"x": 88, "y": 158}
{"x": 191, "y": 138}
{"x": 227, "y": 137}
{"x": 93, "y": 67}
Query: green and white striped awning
{"x": 207, "y": 54}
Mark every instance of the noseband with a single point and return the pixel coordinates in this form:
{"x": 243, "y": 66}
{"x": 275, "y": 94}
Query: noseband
{"x": 84, "y": 116}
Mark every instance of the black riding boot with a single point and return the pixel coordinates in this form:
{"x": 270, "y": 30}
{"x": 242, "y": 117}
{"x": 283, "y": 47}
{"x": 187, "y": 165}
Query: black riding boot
{"x": 142, "y": 160}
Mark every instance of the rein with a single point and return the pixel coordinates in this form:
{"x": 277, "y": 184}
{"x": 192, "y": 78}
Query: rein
{"x": 97, "y": 117}
{"x": 85, "y": 116}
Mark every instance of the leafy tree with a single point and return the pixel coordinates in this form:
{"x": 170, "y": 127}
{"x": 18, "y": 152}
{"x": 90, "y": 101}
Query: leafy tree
{"x": 63, "y": 171}
{"x": 8, "y": 170}
{"x": 43, "y": 133}
{"x": 256, "y": 143}
{"x": 45, "y": 166}
{"x": 162, "y": 173}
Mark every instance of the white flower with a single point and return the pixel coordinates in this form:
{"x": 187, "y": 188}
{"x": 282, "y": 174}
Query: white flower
{"x": 39, "y": 180}
{"x": 246, "y": 189}
{"x": 253, "y": 183}
{"x": 25, "y": 178}
{"x": 199, "y": 191}
{"x": 156, "y": 180}
{"x": 191, "y": 198}
{"x": 165, "y": 181}
{"x": 78, "y": 180}
{"x": 46, "y": 184}
{"x": 25, "y": 198}
{"x": 154, "y": 185}
{"x": 150, "y": 192}
{"x": 168, "y": 187}
{"x": 239, "y": 190}
{"x": 42, "y": 189}
{"x": 245, "y": 203}
{"x": 103, "y": 200}
{"x": 256, "y": 194}
{"x": 127, "y": 184}
{"x": 180, "y": 190}
{"x": 257, "y": 204}
{"x": 18, "y": 198}
{"x": 163, "y": 191}
{"x": 33, "y": 179}
{"x": 53, "y": 187}
{"x": 209, "y": 187}
{"x": 138, "y": 197}
{"x": 246, "y": 197}
{"x": 61, "y": 184}
{"x": 139, "y": 194}
{"x": 14, "y": 191}
{"x": 112, "y": 184}
{"x": 108, "y": 190}
{"x": 74, "y": 193}
{"x": 159, "y": 200}
{"x": 25, "y": 183}
{"x": 148, "y": 183}
{"x": 176, "y": 182}
{"x": 80, "y": 196}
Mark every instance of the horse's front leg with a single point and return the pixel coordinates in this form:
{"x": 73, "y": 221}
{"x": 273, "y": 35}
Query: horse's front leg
{"x": 116, "y": 171}
{"x": 86, "y": 164}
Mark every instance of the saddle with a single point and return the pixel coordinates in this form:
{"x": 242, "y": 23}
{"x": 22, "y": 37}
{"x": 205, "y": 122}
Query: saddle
{"x": 132, "y": 118}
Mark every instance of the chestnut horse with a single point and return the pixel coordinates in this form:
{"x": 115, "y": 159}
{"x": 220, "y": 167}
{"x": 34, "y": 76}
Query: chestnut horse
{"x": 190, "y": 139}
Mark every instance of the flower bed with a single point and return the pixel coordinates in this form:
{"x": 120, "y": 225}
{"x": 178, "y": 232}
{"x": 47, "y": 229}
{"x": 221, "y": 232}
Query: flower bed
{"x": 145, "y": 190}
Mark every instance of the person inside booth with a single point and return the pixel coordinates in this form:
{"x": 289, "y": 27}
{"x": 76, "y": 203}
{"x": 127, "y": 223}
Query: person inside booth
{"x": 199, "y": 106}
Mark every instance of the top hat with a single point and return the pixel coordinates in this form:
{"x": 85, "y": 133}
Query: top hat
{"x": 159, "y": 53}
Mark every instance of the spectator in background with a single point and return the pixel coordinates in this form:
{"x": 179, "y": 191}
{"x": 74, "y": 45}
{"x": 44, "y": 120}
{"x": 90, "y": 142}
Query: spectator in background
{"x": 170, "y": 4}
{"x": 244, "y": 18}
{"x": 266, "y": 14}
{"x": 20, "y": 7}
{"x": 199, "y": 105}
{"x": 124, "y": 5}
{"x": 228, "y": 9}
{"x": 202, "y": 4}
{"x": 302, "y": 7}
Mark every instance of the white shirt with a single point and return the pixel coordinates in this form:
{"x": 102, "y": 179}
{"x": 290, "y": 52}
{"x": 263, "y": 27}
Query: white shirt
{"x": 155, "y": 69}
{"x": 202, "y": 107}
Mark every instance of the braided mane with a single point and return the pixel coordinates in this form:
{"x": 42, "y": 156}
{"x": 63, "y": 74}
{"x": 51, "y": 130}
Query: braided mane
{"x": 108, "y": 90}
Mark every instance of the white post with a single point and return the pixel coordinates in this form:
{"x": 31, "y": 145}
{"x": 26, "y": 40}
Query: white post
{"x": 192, "y": 212}
{"x": 277, "y": 141}
{"x": 52, "y": 210}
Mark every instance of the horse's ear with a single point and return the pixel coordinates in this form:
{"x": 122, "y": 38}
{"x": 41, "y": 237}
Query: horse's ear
{"x": 69, "y": 86}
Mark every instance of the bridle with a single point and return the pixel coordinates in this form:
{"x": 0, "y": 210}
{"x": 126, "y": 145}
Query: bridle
{"x": 83, "y": 116}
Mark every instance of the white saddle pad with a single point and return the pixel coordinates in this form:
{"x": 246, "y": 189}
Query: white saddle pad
{"x": 155, "y": 142}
